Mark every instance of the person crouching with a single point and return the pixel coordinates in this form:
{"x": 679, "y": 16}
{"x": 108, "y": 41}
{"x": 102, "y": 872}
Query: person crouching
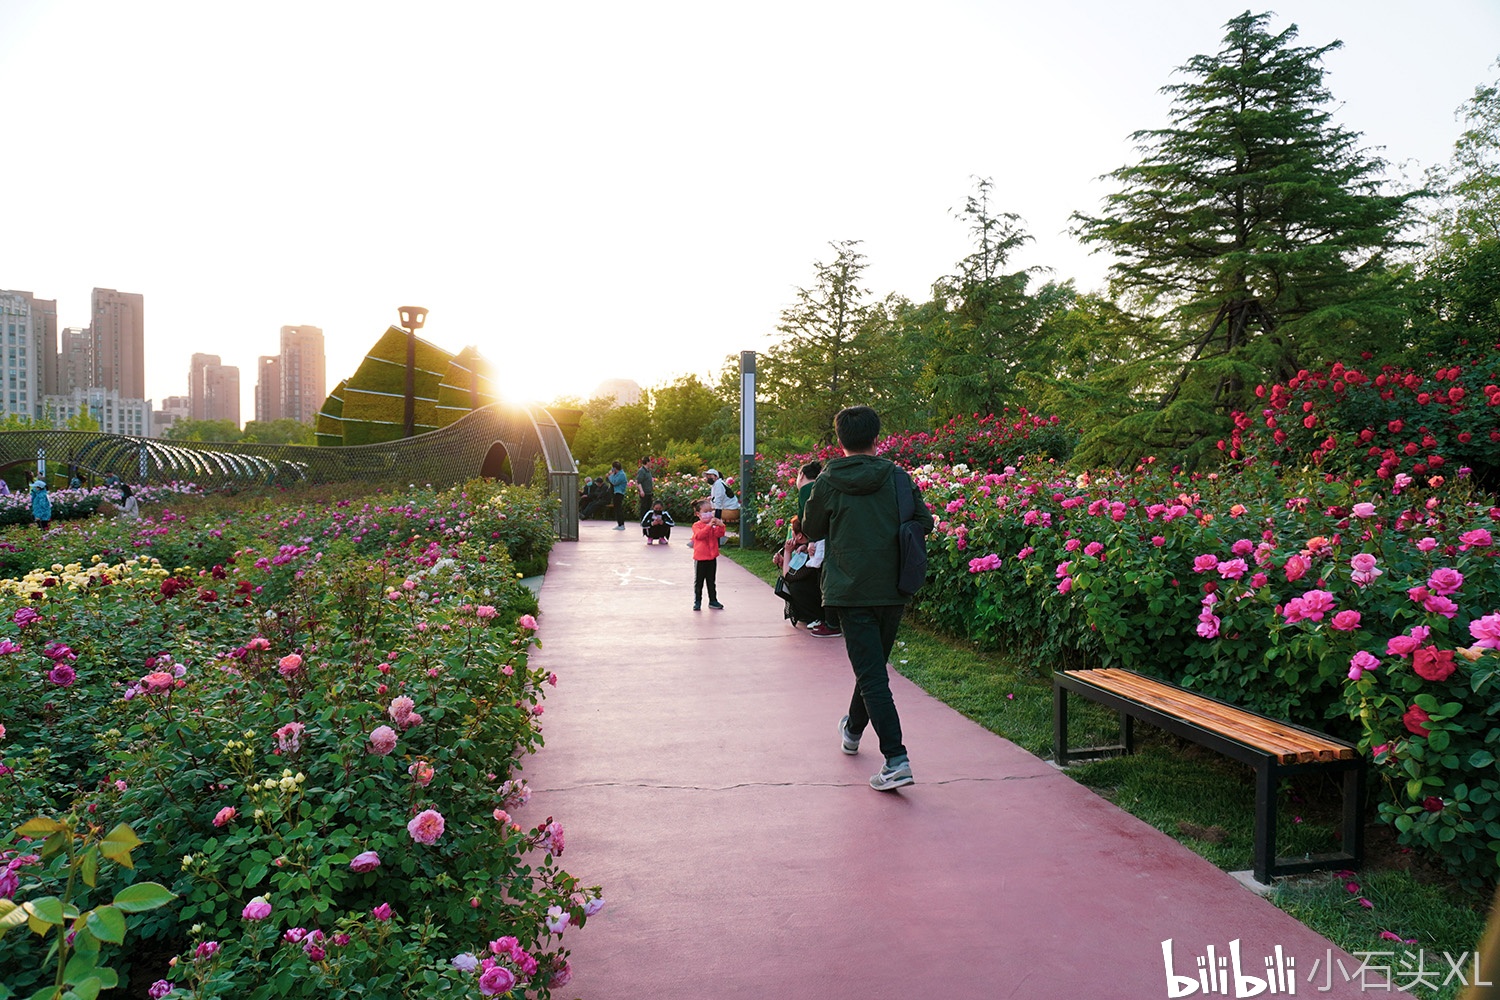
{"x": 656, "y": 525}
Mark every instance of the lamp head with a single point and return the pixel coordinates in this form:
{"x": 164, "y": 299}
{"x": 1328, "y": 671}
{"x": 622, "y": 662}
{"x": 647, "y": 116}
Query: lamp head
{"x": 412, "y": 317}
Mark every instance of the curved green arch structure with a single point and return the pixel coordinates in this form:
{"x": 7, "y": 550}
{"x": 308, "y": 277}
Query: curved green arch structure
{"x": 502, "y": 440}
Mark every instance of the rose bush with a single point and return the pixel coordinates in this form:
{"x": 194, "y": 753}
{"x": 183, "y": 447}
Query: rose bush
{"x": 317, "y": 731}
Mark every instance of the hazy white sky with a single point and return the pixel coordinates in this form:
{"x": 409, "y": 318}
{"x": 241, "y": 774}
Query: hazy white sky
{"x": 603, "y": 189}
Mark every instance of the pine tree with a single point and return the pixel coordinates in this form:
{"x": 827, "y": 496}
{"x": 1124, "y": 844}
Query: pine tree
{"x": 1253, "y": 234}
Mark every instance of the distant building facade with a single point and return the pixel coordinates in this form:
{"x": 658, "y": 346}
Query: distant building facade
{"x": 23, "y": 334}
{"x": 75, "y": 360}
{"x": 115, "y": 414}
{"x": 268, "y": 388}
{"x": 119, "y": 342}
{"x": 173, "y": 409}
{"x": 214, "y": 389}
{"x": 304, "y": 385}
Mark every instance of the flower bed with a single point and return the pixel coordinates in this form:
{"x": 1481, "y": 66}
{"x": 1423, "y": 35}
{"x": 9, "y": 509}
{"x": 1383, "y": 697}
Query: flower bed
{"x": 314, "y": 715}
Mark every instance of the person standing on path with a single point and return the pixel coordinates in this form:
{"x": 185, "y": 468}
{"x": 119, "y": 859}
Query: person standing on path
{"x": 855, "y": 506}
{"x": 617, "y": 481}
{"x": 41, "y": 505}
{"x": 707, "y": 530}
{"x": 644, "y": 483}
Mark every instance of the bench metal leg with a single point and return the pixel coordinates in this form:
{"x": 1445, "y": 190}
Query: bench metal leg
{"x": 1127, "y": 732}
{"x": 1060, "y": 725}
{"x": 1264, "y": 855}
{"x": 1354, "y": 813}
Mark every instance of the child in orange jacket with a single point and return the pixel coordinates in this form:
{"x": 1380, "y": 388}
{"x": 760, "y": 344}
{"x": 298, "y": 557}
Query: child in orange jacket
{"x": 707, "y": 530}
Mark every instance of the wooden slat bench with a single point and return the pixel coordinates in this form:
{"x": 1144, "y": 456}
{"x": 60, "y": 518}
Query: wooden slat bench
{"x": 1275, "y": 749}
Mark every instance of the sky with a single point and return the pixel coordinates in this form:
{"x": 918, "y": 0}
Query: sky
{"x": 601, "y": 190}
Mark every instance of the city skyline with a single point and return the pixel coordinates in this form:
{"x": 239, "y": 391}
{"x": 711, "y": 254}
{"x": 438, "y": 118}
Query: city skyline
{"x": 563, "y": 186}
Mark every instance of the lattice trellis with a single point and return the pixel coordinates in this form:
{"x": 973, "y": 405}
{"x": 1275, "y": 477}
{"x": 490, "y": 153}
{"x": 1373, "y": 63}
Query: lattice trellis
{"x": 503, "y": 440}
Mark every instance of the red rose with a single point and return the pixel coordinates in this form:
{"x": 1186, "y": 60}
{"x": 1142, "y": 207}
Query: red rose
{"x": 1416, "y": 721}
{"x": 1433, "y": 664}
{"x": 1432, "y": 804}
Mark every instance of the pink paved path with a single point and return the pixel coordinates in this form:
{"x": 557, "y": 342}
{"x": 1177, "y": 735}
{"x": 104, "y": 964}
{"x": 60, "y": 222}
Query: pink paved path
{"x": 693, "y": 760}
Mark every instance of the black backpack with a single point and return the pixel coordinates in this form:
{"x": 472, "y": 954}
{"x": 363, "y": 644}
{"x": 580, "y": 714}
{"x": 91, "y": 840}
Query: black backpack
{"x": 910, "y": 537}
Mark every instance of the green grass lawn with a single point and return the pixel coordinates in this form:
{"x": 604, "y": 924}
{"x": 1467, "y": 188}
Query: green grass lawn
{"x": 1203, "y": 800}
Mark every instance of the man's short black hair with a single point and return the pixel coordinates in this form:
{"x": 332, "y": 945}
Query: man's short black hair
{"x": 857, "y": 427}
{"x": 812, "y": 470}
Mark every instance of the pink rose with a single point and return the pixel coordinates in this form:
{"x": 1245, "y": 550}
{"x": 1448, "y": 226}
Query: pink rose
{"x": 1346, "y": 621}
{"x": 256, "y": 909}
{"x": 1426, "y": 544}
{"x": 289, "y": 737}
{"x": 1445, "y": 581}
{"x": 422, "y": 772}
{"x": 527, "y": 622}
{"x": 1477, "y": 539}
{"x": 1205, "y": 562}
{"x": 1233, "y": 569}
{"x": 426, "y": 827}
{"x": 1439, "y": 605}
{"x": 1363, "y": 562}
{"x": 1363, "y": 510}
{"x": 1486, "y": 630}
{"x": 365, "y": 861}
{"x": 485, "y": 611}
{"x": 1296, "y": 567}
{"x": 400, "y": 708}
{"x": 1401, "y": 645}
{"x": 225, "y": 815}
{"x": 383, "y": 740}
{"x": 1433, "y": 664}
{"x": 289, "y": 664}
{"x": 557, "y": 919}
{"x": 1415, "y": 720}
{"x": 497, "y": 979}
{"x": 382, "y": 913}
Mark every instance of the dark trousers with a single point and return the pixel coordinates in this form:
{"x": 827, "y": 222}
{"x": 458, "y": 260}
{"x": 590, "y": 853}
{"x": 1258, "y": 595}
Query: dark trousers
{"x": 647, "y": 500}
{"x": 657, "y": 531}
{"x": 705, "y": 571}
{"x": 619, "y": 509}
{"x": 869, "y": 637}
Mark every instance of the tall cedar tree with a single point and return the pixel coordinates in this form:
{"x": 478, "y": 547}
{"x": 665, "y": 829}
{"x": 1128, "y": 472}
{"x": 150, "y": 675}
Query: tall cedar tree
{"x": 990, "y": 328}
{"x": 1251, "y": 236}
{"x": 817, "y": 369}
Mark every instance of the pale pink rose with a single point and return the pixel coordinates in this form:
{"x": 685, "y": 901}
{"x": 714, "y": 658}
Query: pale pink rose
{"x": 1208, "y": 626}
{"x": 289, "y": 664}
{"x": 552, "y": 838}
{"x": 1364, "y": 660}
{"x": 1363, "y": 562}
{"x": 593, "y": 906}
{"x": 426, "y": 827}
{"x": 557, "y": 919}
{"x": 527, "y": 622}
{"x": 225, "y": 815}
{"x": 485, "y": 611}
{"x": 1426, "y": 544}
{"x": 1363, "y": 510}
{"x": 289, "y": 737}
{"x": 411, "y": 721}
{"x": 400, "y": 708}
{"x": 259, "y": 642}
{"x": 256, "y": 909}
{"x": 561, "y": 976}
{"x": 502, "y": 817}
{"x": 365, "y": 861}
{"x": 383, "y": 740}
{"x": 421, "y": 772}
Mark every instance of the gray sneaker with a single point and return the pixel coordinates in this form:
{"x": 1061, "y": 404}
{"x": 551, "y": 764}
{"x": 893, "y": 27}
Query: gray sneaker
{"x": 891, "y": 778}
{"x": 849, "y": 744}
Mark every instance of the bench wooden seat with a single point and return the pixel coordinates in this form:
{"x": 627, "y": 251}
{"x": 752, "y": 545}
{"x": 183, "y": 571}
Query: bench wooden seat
{"x": 1274, "y": 749}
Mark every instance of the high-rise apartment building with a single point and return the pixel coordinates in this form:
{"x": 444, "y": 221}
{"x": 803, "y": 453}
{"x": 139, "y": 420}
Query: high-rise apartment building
{"x": 173, "y": 409}
{"x": 213, "y": 389}
{"x": 304, "y": 385}
{"x": 22, "y": 336}
{"x": 268, "y": 388}
{"x": 113, "y": 413}
{"x": 119, "y": 342}
{"x": 75, "y": 359}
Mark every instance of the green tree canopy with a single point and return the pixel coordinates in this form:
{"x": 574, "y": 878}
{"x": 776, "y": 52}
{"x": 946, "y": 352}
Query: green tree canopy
{"x": 203, "y": 430}
{"x": 286, "y": 430}
{"x": 1254, "y": 231}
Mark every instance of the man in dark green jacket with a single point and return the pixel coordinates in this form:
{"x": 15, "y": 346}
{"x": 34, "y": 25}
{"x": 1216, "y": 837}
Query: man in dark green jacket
{"x": 855, "y": 506}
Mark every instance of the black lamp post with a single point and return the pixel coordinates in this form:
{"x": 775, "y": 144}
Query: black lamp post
{"x": 412, "y": 318}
